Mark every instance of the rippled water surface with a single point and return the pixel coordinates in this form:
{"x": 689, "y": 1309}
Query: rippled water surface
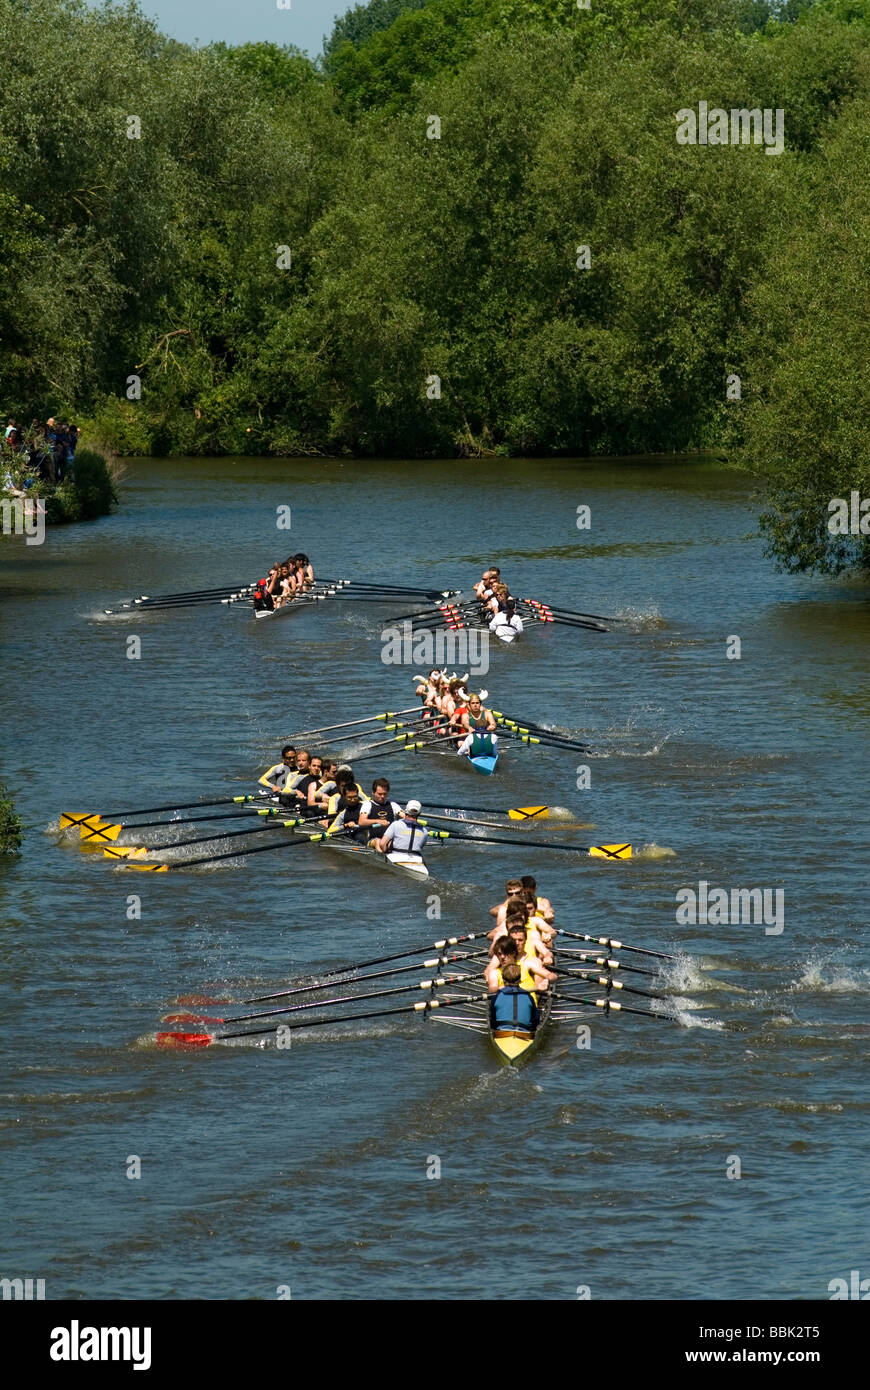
{"x": 605, "y": 1167}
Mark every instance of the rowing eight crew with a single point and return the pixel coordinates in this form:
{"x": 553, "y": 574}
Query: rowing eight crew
{"x": 325, "y": 793}
{"x": 284, "y": 582}
{"x": 518, "y": 971}
{"x": 498, "y": 606}
{"x": 471, "y": 724}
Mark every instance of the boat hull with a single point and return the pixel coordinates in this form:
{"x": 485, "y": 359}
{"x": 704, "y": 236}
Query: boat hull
{"x": 514, "y": 1047}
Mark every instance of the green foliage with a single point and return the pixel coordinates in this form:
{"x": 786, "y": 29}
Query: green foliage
{"x": 10, "y": 824}
{"x": 360, "y": 23}
{"x": 808, "y": 391}
{"x": 285, "y": 259}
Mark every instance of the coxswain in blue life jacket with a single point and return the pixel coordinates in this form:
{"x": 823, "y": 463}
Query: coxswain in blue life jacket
{"x": 513, "y": 1009}
{"x": 404, "y": 835}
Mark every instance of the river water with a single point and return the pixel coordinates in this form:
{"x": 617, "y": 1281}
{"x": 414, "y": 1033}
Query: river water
{"x": 611, "y": 1167}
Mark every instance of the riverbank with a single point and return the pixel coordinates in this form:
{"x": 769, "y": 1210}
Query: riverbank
{"x": 29, "y": 503}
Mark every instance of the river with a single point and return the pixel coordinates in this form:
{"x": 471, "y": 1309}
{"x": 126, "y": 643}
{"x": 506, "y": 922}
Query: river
{"x": 715, "y": 1157}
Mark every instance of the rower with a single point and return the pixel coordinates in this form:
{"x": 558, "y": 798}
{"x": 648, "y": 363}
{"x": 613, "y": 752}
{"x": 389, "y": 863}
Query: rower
{"x": 526, "y": 903}
{"x": 328, "y": 784}
{"x": 304, "y": 787}
{"x": 483, "y": 588}
{"x": 404, "y": 835}
{"x": 477, "y": 718}
{"x": 533, "y": 939}
{"x": 533, "y": 976}
{"x": 348, "y": 813}
{"x": 379, "y": 811}
{"x": 343, "y": 779}
{"x": 543, "y": 906}
{"x": 303, "y": 570}
{"x": 276, "y": 776}
{"x": 478, "y": 726}
{"x": 511, "y": 888}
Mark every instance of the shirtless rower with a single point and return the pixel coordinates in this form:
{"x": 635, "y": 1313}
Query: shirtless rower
{"x": 483, "y": 588}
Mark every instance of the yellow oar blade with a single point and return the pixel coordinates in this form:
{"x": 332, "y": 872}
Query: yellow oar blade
{"x": 72, "y": 818}
{"x": 147, "y": 868}
{"x": 126, "y": 852}
{"x": 529, "y": 813}
{"x": 610, "y": 851}
{"x": 100, "y": 834}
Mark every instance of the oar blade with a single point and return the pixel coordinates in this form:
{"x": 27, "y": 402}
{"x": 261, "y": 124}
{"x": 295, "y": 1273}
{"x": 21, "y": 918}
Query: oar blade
{"x": 184, "y": 1039}
{"x": 524, "y": 813}
{"x": 610, "y": 851}
{"x": 100, "y": 834}
{"x": 70, "y": 819}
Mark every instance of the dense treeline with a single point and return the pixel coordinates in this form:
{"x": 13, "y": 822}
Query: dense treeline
{"x": 238, "y": 250}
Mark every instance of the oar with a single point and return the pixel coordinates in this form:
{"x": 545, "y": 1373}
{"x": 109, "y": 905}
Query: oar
{"x": 403, "y": 955}
{"x": 611, "y": 1006}
{"x": 68, "y": 818}
{"x": 363, "y": 719}
{"x": 570, "y": 612}
{"x": 123, "y": 851}
{"x": 609, "y": 983}
{"x": 612, "y": 945}
{"x": 241, "y": 853}
{"x": 252, "y": 812}
{"x": 133, "y": 603}
{"x": 604, "y": 962}
{"x": 206, "y": 1039}
{"x": 597, "y": 851}
{"x": 434, "y": 962}
{"x": 345, "y": 999}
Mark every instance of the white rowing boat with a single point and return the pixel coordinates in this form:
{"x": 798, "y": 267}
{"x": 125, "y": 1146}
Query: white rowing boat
{"x": 399, "y": 861}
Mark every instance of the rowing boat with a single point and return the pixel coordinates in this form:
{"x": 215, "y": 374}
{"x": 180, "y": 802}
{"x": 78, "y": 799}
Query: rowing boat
{"x": 453, "y": 992}
{"x": 399, "y": 861}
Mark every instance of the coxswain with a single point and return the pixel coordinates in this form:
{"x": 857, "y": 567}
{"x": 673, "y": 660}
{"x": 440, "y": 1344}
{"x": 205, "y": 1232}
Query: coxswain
{"x": 276, "y": 776}
{"x": 506, "y": 622}
{"x": 263, "y": 600}
{"x": 404, "y": 835}
{"x": 378, "y": 811}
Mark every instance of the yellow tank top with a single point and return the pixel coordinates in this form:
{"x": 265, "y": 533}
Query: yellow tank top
{"x": 527, "y": 979}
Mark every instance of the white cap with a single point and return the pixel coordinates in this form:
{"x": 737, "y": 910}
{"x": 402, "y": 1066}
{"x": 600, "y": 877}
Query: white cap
{"x": 413, "y": 806}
